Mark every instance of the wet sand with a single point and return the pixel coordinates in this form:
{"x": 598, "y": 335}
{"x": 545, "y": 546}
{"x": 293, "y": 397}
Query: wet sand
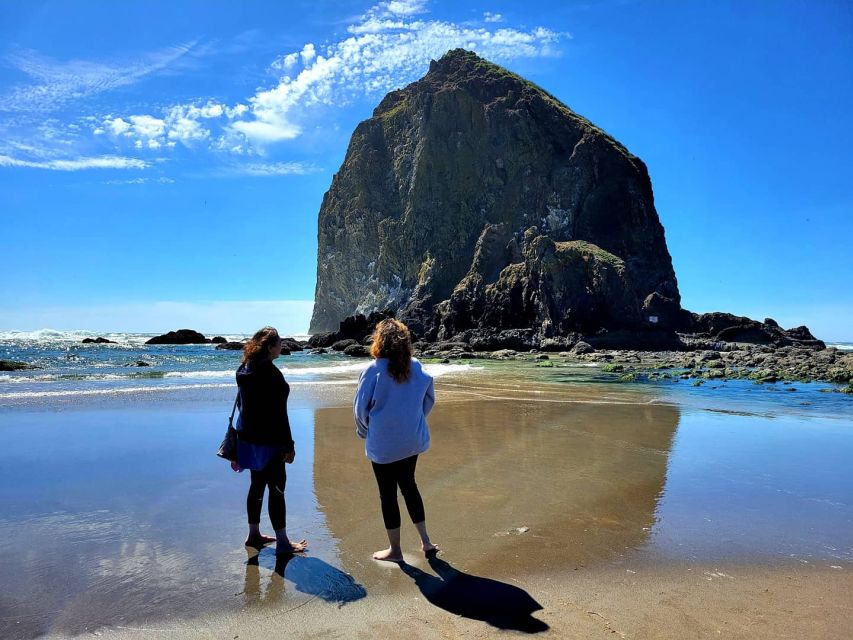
{"x": 567, "y": 510}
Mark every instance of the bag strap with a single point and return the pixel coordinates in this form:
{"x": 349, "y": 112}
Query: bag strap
{"x": 233, "y": 409}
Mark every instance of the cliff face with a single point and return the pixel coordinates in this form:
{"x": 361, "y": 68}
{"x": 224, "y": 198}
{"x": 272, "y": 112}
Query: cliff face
{"x": 474, "y": 200}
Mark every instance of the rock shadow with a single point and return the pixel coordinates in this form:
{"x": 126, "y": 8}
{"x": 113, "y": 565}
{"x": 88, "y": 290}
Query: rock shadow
{"x": 499, "y": 604}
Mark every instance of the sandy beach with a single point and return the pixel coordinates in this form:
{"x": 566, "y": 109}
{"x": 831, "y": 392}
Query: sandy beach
{"x": 565, "y": 510}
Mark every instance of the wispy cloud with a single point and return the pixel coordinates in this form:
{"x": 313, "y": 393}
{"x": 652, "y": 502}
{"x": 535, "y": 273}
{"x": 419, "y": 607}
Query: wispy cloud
{"x": 386, "y": 48}
{"x": 492, "y": 17}
{"x": 54, "y": 83}
{"x": 276, "y": 169}
{"x": 76, "y": 164}
{"x": 161, "y": 180}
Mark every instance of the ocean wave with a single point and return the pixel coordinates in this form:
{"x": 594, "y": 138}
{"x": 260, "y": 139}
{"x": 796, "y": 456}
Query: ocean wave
{"x": 331, "y": 368}
{"x": 293, "y": 373}
{"x": 438, "y": 370}
{"x": 228, "y": 373}
{"x": 80, "y": 377}
{"x": 841, "y": 346}
{"x": 107, "y": 392}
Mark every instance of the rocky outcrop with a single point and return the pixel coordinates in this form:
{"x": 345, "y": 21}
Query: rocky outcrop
{"x": 353, "y": 330}
{"x": 721, "y": 327}
{"x": 474, "y": 200}
{"x": 98, "y": 340}
{"x": 181, "y": 336}
{"x": 231, "y": 346}
{"x": 14, "y": 365}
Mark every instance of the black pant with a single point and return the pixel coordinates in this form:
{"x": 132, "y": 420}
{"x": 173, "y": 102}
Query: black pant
{"x": 389, "y": 477}
{"x": 273, "y": 476}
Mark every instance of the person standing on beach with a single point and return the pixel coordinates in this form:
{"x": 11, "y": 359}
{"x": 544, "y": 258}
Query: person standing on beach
{"x": 391, "y": 403}
{"x": 264, "y": 442}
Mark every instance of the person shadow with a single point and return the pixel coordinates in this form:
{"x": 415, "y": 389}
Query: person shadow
{"x": 309, "y": 575}
{"x": 499, "y": 604}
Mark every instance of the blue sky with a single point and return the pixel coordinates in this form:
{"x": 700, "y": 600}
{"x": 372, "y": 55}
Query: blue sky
{"x": 162, "y": 164}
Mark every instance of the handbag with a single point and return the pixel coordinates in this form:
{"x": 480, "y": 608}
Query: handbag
{"x": 228, "y": 448}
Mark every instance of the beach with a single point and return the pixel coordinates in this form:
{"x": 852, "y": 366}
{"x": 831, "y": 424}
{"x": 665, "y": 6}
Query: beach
{"x": 564, "y": 506}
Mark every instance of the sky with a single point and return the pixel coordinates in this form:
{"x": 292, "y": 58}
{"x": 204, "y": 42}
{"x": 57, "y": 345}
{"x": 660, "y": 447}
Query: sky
{"x": 162, "y": 164}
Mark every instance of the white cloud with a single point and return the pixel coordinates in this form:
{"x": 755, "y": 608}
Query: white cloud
{"x": 56, "y": 83}
{"x": 116, "y": 126}
{"x": 403, "y": 7}
{"x": 161, "y": 180}
{"x": 386, "y": 48}
{"x": 308, "y": 53}
{"x": 77, "y": 164}
{"x": 186, "y": 130}
{"x": 492, "y": 17}
{"x": 276, "y": 169}
{"x": 147, "y": 126}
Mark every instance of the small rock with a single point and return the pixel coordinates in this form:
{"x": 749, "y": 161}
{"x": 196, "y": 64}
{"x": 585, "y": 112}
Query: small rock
{"x": 231, "y": 346}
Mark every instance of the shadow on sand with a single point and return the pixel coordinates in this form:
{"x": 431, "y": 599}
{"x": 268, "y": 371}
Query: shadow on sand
{"x": 499, "y": 604}
{"x": 311, "y": 576}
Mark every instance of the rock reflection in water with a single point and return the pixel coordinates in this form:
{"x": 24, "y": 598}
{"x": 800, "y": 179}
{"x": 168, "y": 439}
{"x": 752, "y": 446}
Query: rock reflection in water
{"x": 510, "y": 485}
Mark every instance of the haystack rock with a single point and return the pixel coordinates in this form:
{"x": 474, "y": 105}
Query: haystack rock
{"x": 473, "y": 202}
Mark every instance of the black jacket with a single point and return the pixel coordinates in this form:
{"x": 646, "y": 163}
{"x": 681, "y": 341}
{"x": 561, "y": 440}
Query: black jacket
{"x": 263, "y": 405}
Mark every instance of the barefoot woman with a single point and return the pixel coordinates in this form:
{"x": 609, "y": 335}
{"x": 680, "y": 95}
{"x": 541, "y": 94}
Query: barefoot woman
{"x": 393, "y": 398}
{"x": 264, "y": 443}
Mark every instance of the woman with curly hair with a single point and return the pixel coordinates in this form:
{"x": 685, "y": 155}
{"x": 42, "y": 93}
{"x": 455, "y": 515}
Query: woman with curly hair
{"x": 264, "y": 442}
{"x": 392, "y": 401}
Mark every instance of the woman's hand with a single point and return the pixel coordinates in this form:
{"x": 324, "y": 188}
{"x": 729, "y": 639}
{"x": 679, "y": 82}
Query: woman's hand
{"x": 236, "y": 467}
{"x": 289, "y": 456}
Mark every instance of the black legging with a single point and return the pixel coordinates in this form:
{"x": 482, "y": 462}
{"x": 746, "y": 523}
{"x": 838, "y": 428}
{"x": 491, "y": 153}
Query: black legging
{"x": 388, "y": 477}
{"x": 273, "y": 476}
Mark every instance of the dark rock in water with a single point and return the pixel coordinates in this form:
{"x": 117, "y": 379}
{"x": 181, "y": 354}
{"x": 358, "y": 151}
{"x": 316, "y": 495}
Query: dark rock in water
{"x": 291, "y": 344}
{"x": 97, "y": 340}
{"x": 340, "y": 345}
{"x": 231, "y": 346}
{"x": 142, "y": 363}
{"x": 725, "y": 327}
{"x": 218, "y": 340}
{"x": 358, "y": 327}
{"x": 357, "y": 350}
{"x": 181, "y": 336}
{"x": 581, "y": 348}
{"x": 473, "y": 199}
{"x": 14, "y": 365}
{"x": 323, "y": 339}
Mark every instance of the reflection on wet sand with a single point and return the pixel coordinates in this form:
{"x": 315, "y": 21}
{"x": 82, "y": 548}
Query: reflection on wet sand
{"x": 308, "y": 575}
{"x": 511, "y": 486}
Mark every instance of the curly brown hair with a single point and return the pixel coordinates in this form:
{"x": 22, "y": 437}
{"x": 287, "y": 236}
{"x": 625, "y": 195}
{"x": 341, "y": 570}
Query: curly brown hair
{"x": 257, "y": 348}
{"x": 392, "y": 340}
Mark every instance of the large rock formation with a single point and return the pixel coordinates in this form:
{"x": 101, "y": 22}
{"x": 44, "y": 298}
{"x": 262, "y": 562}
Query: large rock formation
{"x": 474, "y": 200}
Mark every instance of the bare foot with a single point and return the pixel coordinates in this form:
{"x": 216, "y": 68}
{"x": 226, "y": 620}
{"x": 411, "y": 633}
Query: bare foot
{"x": 258, "y": 542}
{"x": 293, "y": 547}
{"x": 429, "y": 549}
{"x": 389, "y": 555}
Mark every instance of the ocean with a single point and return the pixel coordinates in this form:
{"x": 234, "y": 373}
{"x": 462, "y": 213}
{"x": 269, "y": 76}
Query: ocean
{"x": 65, "y": 367}
{"x": 117, "y": 516}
